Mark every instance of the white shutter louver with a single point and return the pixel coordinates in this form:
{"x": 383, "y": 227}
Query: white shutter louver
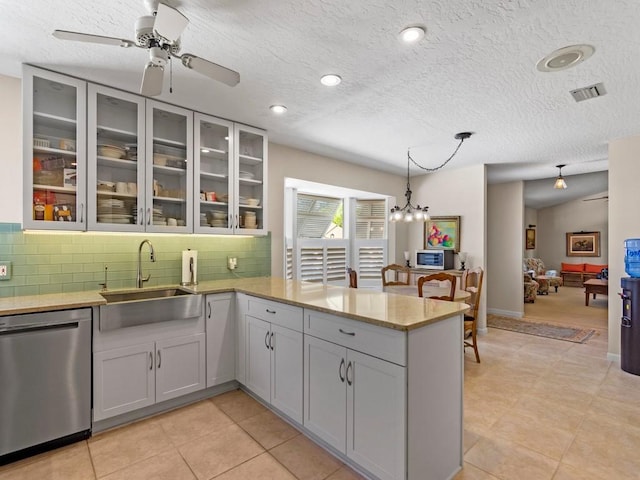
{"x": 370, "y": 261}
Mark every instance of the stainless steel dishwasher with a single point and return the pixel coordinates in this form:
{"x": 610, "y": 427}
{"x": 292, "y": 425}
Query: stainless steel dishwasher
{"x": 45, "y": 381}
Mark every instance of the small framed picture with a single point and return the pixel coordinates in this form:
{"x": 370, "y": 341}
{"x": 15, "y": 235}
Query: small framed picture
{"x": 530, "y": 239}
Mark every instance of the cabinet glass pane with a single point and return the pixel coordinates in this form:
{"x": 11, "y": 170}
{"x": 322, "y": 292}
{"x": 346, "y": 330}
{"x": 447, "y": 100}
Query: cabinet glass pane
{"x": 214, "y": 175}
{"x": 169, "y": 168}
{"x": 117, "y": 160}
{"x": 55, "y": 129}
{"x": 250, "y": 179}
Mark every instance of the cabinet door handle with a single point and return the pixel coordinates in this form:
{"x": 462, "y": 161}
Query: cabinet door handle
{"x": 141, "y": 216}
{"x": 271, "y": 342}
{"x": 349, "y": 380}
{"x": 340, "y": 371}
{"x": 353, "y": 334}
{"x": 209, "y": 308}
{"x": 82, "y": 213}
{"x": 150, "y": 360}
{"x": 266, "y": 340}
{"x": 270, "y": 311}
{"x": 160, "y": 360}
{"x": 237, "y": 221}
{"x": 148, "y": 216}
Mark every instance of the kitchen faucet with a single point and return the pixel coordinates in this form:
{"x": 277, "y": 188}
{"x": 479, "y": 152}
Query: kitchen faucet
{"x": 140, "y": 279}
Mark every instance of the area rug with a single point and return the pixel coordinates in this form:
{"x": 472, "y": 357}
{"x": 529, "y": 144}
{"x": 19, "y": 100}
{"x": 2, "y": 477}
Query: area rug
{"x": 569, "y": 334}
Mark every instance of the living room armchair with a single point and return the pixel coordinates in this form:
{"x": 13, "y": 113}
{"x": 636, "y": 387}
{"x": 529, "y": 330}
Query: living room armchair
{"x": 530, "y": 289}
{"x": 549, "y": 278}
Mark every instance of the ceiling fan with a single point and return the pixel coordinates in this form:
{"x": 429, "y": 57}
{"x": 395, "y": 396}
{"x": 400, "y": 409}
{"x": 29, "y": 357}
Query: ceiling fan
{"x": 605, "y": 197}
{"x": 159, "y": 32}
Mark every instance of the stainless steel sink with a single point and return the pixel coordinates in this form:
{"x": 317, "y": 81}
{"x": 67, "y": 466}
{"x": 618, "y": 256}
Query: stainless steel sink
{"x": 116, "y": 297}
{"x": 141, "y": 307}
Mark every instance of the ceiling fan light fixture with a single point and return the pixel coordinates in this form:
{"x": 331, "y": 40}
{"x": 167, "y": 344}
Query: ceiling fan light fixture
{"x": 330, "y": 80}
{"x": 412, "y": 34}
{"x": 560, "y": 184}
{"x": 278, "y": 109}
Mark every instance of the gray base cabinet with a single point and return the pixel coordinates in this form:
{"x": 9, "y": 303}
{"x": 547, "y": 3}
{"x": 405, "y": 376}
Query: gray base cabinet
{"x": 221, "y": 338}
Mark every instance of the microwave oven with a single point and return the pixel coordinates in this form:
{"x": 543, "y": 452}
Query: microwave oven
{"x": 434, "y": 259}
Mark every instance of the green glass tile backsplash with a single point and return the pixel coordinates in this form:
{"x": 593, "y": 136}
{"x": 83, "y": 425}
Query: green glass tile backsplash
{"x": 70, "y": 262}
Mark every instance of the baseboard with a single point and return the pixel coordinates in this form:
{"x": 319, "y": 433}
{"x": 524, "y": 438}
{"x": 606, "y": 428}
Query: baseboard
{"x": 505, "y": 313}
{"x": 613, "y": 357}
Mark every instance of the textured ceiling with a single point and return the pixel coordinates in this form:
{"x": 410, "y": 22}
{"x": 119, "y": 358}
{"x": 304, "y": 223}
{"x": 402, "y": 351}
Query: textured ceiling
{"x": 474, "y": 70}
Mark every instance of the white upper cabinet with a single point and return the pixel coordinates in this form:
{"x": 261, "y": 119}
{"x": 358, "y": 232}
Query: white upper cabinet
{"x": 230, "y": 178}
{"x": 97, "y": 158}
{"x": 214, "y": 177}
{"x": 54, "y": 135}
{"x": 250, "y": 193}
{"x": 169, "y": 169}
{"x": 116, "y": 156}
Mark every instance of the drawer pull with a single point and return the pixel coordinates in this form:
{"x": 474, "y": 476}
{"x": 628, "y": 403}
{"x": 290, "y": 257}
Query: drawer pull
{"x": 271, "y": 311}
{"x": 353, "y": 334}
{"x": 349, "y": 380}
{"x": 340, "y": 369}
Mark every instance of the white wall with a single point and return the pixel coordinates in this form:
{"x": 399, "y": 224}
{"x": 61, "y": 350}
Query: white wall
{"x": 460, "y": 192}
{"x": 505, "y": 240}
{"x": 289, "y": 162}
{"x": 11, "y": 141}
{"x": 624, "y": 222}
{"x": 575, "y": 216}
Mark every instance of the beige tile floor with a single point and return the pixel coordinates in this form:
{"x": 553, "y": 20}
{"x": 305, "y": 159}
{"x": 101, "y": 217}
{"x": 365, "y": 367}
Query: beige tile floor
{"x": 535, "y": 408}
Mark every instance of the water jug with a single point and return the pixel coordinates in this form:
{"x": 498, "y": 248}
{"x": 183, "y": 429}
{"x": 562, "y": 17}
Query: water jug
{"x": 632, "y": 257}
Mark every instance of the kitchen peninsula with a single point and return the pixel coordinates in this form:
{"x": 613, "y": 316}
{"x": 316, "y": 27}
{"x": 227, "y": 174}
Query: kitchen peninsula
{"x": 375, "y": 378}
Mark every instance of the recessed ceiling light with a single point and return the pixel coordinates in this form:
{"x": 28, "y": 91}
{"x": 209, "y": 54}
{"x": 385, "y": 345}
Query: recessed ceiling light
{"x": 565, "y": 57}
{"x": 278, "y": 109}
{"x": 330, "y": 80}
{"x": 412, "y": 34}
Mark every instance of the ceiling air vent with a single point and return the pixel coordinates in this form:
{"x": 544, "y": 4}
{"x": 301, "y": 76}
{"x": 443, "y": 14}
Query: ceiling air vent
{"x": 586, "y": 93}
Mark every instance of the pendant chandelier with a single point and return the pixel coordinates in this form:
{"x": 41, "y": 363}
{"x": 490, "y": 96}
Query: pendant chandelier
{"x": 411, "y": 213}
{"x": 560, "y": 183}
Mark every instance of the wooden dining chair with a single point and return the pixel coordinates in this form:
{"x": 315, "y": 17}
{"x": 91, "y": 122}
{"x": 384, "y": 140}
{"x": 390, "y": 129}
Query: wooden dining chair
{"x": 353, "y": 278}
{"x": 401, "y": 275}
{"x": 440, "y": 277}
{"x": 472, "y": 282}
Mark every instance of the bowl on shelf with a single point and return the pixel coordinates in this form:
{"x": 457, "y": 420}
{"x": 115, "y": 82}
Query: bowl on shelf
{"x": 111, "y": 151}
{"x": 245, "y": 175}
{"x": 253, "y": 202}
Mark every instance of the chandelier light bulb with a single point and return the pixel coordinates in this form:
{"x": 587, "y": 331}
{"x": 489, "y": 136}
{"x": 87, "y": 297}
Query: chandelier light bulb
{"x": 408, "y": 216}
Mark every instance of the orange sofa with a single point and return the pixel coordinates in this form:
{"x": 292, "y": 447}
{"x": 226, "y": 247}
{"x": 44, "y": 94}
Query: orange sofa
{"x": 575, "y": 274}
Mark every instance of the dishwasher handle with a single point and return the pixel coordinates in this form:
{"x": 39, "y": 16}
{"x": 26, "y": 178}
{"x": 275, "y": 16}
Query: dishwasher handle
{"x": 37, "y": 327}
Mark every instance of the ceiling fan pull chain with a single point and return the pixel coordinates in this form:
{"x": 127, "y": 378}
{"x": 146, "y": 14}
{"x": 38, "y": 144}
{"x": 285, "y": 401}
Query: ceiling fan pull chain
{"x": 170, "y": 75}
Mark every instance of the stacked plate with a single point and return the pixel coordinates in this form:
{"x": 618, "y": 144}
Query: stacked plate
{"x": 111, "y": 151}
{"x": 112, "y": 210}
{"x": 158, "y": 216}
{"x": 245, "y": 175}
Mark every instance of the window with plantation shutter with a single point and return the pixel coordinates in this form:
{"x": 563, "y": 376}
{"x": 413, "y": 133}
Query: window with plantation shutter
{"x": 323, "y": 261}
{"x": 370, "y": 243}
{"x": 289, "y": 263}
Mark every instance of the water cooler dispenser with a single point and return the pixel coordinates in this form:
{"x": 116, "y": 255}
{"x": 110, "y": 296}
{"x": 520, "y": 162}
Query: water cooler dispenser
{"x": 630, "y": 323}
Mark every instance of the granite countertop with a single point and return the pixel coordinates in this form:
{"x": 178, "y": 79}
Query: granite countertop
{"x": 400, "y": 312}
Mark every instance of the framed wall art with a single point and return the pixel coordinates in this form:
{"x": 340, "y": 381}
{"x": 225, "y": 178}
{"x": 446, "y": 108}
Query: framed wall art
{"x": 530, "y": 239}
{"x": 583, "y": 244}
{"x": 442, "y": 233}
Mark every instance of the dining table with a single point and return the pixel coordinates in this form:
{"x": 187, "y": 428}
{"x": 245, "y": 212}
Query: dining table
{"x": 427, "y": 291}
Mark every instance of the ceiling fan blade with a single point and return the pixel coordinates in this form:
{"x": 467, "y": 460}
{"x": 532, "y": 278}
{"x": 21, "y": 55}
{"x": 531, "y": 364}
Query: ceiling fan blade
{"x": 606, "y": 197}
{"x": 211, "y": 70}
{"x": 86, "y": 37}
{"x": 169, "y": 23}
{"x": 152, "y": 80}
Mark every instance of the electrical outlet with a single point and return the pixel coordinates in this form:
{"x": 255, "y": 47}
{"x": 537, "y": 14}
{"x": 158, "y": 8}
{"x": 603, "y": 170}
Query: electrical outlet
{"x": 232, "y": 263}
{"x": 5, "y": 270}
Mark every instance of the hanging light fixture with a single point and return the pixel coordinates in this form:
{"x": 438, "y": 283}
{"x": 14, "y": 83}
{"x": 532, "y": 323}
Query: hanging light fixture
{"x": 560, "y": 183}
{"x": 409, "y": 212}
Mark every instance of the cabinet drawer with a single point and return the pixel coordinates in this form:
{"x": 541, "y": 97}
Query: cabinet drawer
{"x": 277, "y": 313}
{"x": 384, "y": 343}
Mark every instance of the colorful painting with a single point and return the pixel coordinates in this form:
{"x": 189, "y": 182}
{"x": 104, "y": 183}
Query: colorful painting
{"x": 583, "y": 244}
{"x": 442, "y": 233}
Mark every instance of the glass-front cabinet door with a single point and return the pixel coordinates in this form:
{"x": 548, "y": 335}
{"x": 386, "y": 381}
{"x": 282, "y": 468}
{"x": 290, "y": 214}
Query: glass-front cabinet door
{"x": 169, "y": 169}
{"x": 55, "y": 151}
{"x": 251, "y": 180}
{"x": 116, "y": 153}
{"x": 213, "y": 175}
